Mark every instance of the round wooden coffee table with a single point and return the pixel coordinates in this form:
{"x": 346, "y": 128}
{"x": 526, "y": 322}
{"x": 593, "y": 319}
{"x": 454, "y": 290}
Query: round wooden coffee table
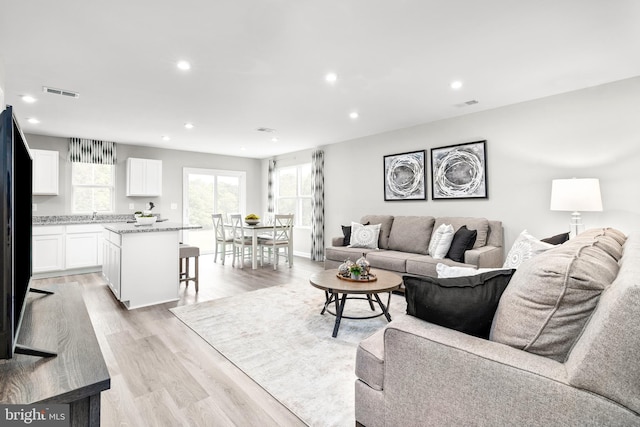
{"x": 334, "y": 287}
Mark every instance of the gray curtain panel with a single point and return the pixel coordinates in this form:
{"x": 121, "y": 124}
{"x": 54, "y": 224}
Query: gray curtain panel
{"x": 92, "y": 151}
{"x": 317, "y": 214}
{"x": 270, "y": 178}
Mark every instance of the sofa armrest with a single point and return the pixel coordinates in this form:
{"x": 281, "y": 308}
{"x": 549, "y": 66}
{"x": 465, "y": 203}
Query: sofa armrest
{"x": 337, "y": 241}
{"x": 485, "y": 257}
{"x": 450, "y": 378}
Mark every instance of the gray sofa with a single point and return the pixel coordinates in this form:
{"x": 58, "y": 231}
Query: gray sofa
{"x": 416, "y": 373}
{"x": 404, "y": 240}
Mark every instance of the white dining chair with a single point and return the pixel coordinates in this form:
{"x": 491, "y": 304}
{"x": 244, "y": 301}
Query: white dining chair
{"x": 281, "y": 238}
{"x": 241, "y": 243}
{"x": 221, "y": 238}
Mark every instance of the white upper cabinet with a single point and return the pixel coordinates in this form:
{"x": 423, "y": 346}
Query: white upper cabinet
{"x": 45, "y": 172}
{"x": 144, "y": 177}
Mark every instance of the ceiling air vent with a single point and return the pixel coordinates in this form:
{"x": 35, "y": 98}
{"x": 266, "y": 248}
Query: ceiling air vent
{"x": 265, "y": 130}
{"x": 472, "y": 102}
{"x": 62, "y": 92}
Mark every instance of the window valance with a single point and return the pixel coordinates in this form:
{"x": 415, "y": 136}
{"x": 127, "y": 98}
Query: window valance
{"x": 92, "y": 151}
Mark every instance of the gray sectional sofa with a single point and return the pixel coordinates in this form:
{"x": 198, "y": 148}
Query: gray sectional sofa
{"x": 563, "y": 350}
{"x": 404, "y": 240}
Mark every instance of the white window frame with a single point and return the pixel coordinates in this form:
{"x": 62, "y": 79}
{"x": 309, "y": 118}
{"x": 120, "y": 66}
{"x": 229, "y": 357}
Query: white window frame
{"x": 213, "y": 172}
{"x": 111, "y": 187}
{"x": 297, "y": 217}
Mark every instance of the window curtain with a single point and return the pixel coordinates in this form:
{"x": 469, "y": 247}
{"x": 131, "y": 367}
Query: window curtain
{"x": 92, "y": 151}
{"x": 270, "y": 178}
{"x": 317, "y": 213}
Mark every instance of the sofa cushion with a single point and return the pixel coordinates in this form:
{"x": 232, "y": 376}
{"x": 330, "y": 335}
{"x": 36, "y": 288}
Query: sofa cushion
{"x": 364, "y": 236}
{"x": 385, "y": 222}
{"x": 389, "y": 260}
{"x": 551, "y": 297}
{"x": 411, "y": 234}
{"x": 481, "y": 225}
{"x": 441, "y": 241}
{"x": 466, "y": 304}
{"x": 525, "y": 247}
{"x": 463, "y": 240}
{"x": 343, "y": 253}
{"x": 425, "y": 265}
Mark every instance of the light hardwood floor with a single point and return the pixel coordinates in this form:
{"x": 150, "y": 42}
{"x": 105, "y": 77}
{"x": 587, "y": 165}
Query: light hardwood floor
{"x": 162, "y": 373}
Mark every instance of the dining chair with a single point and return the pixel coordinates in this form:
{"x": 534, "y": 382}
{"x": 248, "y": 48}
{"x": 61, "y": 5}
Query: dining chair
{"x": 280, "y": 239}
{"x": 240, "y": 241}
{"x": 221, "y": 238}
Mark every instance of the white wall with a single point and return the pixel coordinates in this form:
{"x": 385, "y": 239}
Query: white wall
{"x": 593, "y": 132}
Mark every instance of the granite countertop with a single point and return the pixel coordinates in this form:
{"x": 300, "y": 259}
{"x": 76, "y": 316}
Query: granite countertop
{"x": 124, "y": 228}
{"x": 81, "y": 219}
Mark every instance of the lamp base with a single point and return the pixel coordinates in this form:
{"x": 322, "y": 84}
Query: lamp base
{"x": 577, "y": 226}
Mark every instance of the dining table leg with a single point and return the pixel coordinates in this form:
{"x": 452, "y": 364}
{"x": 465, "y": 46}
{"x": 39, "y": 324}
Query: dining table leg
{"x": 254, "y": 249}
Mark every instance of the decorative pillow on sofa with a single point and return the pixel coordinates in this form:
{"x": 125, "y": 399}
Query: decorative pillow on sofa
{"x": 552, "y": 296}
{"x": 558, "y": 239}
{"x": 441, "y": 241}
{"x": 463, "y": 240}
{"x": 466, "y": 304}
{"x": 364, "y": 236}
{"x": 346, "y": 232}
{"x": 525, "y": 247}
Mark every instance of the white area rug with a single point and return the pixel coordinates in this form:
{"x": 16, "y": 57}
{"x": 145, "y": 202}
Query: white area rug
{"x": 277, "y": 336}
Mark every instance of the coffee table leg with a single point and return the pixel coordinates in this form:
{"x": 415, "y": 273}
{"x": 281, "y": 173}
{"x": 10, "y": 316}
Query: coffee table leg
{"x": 326, "y": 302}
{"x": 370, "y": 302}
{"x": 339, "y": 308}
{"x": 385, "y": 310}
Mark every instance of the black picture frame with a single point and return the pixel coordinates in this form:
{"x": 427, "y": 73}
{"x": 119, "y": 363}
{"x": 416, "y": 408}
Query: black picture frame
{"x": 459, "y": 171}
{"x": 405, "y": 176}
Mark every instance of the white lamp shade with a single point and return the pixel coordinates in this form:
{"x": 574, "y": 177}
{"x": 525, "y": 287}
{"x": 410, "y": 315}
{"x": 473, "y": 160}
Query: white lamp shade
{"x": 576, "y": 195}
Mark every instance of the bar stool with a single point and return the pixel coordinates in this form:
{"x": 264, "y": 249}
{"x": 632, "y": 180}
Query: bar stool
{"x": 187, "y": 252}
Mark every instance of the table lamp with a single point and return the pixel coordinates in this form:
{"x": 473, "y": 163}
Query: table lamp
{"x": 576, "y": 195}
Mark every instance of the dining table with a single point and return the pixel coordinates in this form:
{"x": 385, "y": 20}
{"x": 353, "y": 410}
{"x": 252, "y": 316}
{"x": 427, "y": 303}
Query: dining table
{"x": 256, "y": 229}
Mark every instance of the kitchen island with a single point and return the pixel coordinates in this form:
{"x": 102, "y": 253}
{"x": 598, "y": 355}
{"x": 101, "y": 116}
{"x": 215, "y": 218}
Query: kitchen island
{"x": 141, "y": 262}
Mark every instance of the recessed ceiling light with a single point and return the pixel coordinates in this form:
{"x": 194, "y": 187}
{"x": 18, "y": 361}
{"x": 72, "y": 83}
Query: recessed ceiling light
{"x": 331, "y": 77}
{"x": 243, "y": 149}
{"x": 184, "y": 65}
{"x": 274, "y": 139}
{"x": 354, "y": 115}
{"x": 166, "y": 138}
{"x": 28, "y": 99}
{"x": 188, "y": 125}
{"x": 456, "y": 84}
{"x": 33, "y": 121}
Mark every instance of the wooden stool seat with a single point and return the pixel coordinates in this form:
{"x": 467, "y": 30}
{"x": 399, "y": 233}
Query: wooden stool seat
{"x": 187, "y": 252}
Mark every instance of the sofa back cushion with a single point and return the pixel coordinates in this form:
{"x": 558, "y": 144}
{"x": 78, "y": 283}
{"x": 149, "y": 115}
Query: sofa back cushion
{"x": 411, "y": 234}
{"x": 551, "y": 297}
{"x": 605, "y": 357}
{"x": 481, "y": 225}
{"x": 385, "y": 222}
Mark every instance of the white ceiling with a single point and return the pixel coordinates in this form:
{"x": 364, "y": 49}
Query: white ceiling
{"x": 261, "y": 63}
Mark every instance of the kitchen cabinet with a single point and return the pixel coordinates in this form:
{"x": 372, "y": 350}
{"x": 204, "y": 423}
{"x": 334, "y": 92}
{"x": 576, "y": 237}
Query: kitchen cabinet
{"x": 83, "y": 247}
{"x": 45, "y": 172}
{"x": 48, "y": 249}
{"x": 144, "y": 177}
{"x": 71, "y": 249}
{"x": 111, "y": 254}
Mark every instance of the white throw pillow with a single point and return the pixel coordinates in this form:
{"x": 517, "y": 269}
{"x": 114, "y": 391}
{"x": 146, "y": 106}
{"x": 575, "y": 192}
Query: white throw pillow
{"x": 525, "y": 247}
{"x": 446, "y": 271}
{"x": 441, "y": 241}
{"x": 364, "y": 236}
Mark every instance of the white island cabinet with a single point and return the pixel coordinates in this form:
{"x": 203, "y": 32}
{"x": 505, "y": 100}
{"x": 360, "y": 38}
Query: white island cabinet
{"x": 140, "y": 263}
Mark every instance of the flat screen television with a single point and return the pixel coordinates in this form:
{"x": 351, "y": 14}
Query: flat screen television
{"x": 15, "y": 213}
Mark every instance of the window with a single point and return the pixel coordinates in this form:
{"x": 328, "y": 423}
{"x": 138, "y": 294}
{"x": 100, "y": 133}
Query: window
{"x": 93, "y": 187}
{"x": 293, "y": 193}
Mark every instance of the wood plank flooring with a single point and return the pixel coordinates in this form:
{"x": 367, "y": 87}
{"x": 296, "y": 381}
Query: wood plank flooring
{"x": 162, "y": 373}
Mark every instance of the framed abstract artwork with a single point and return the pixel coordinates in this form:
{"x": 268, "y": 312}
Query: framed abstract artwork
{"x": 404, "y": 176}
{"x": 459, "y": 171}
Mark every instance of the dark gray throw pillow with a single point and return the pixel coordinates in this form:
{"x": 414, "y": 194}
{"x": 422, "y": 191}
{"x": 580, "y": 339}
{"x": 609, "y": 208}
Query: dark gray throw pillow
{"x": 463, "y": 240}
{"x": 558, "y": 239}
{"x": 466, "y": 304}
